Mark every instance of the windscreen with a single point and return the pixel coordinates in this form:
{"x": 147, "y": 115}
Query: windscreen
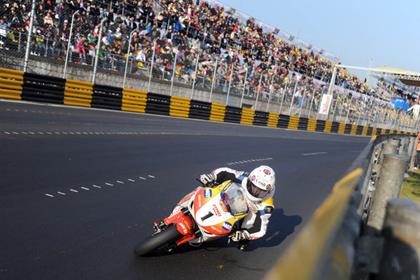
{"x": 234, "y": 198}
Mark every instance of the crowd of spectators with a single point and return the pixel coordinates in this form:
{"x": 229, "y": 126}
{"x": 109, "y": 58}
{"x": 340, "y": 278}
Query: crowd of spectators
{"x": 206, "y": 40}
{"x": 187, "y": 28}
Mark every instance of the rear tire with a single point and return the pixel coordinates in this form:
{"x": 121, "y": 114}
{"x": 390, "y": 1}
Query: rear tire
{"x": 155, "y": 242}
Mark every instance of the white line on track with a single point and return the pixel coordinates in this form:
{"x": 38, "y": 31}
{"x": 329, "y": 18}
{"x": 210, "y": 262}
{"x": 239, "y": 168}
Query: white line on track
{"x": 151, "y": 176}
{"x": 120, "y": 182}
{"x": 142, "y": 178}
{"x": 109, "y": 184}
{"x": 73, "y": 190}
{"x": 61, "y": 193}
{"x": 84, "y": 188}
{"x": 314, "y": 154}
{"x": 49, "y": 195}
{"x": 248, "y": 161}
{"x": 14, "y": 132}
{"x": 131, "y": 180}
{"x": 96, "y": 186}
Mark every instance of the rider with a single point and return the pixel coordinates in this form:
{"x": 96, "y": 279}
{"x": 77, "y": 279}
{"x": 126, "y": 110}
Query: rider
{"x": 259, "y": 186}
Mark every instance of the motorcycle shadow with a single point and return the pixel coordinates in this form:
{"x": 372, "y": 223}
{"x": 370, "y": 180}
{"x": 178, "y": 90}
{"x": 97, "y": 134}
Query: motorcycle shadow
{"x": 279, "y": 228}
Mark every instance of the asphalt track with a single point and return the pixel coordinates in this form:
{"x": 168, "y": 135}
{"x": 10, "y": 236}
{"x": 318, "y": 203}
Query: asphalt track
{"x": 80, "y": 187}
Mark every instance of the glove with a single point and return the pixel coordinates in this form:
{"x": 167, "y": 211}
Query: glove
{"x": 240, "y": 235}
{"x": 207, "y": 179}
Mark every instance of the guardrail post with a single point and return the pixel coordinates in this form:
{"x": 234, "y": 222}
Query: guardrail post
{"x": 401, "y": 255}
{"x": 412, "y": 151}
{"x": 404, "y": 146}
{"x": 389, "y": 185}
{"x": 391, "y": 146}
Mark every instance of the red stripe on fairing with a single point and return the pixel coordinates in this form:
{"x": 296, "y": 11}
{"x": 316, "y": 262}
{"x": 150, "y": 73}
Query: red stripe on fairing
{"x": 198, "y": 201}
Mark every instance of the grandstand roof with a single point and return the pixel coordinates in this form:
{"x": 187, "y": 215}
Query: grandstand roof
{"x": 408, "y": 78}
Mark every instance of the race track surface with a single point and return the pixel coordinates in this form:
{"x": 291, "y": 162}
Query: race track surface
{"x": 80, "y": 187}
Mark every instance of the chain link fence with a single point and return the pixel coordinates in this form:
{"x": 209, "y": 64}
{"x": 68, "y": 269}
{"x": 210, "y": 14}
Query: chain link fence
{"x": 154, "y": 50}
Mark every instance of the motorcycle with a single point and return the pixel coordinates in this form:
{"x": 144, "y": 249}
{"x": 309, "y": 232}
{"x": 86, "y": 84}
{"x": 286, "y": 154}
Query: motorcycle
{"x": 203, "y": 215}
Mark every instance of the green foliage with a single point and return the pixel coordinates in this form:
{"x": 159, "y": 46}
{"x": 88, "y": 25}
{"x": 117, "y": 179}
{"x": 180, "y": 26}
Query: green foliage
{"x": 411, "y": 188}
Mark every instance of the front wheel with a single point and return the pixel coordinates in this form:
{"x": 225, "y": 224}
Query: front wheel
{"x": 155, "y": 242}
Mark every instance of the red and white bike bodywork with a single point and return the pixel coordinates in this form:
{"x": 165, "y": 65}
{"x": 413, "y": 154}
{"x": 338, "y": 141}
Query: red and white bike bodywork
{"x": 204, "y": 214}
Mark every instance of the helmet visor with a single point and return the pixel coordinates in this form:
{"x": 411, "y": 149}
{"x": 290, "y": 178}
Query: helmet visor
{"x": 256, "y": 191}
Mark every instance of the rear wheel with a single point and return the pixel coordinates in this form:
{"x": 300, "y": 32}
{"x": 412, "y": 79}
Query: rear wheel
{"x": 158, "y": 241}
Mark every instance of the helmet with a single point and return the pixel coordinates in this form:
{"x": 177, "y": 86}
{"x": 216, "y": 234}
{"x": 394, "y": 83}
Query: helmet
{"x": 260, "y": 184}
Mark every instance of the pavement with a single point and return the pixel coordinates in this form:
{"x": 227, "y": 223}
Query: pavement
{"x": 80, "y": 187}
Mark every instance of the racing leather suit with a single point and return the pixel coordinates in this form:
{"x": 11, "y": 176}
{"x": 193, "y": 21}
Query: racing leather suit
{"x": 260, "y": 212}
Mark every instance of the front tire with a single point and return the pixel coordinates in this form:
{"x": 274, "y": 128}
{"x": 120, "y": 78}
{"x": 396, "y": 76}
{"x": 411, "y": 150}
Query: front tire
{"x": 155, "y": 242}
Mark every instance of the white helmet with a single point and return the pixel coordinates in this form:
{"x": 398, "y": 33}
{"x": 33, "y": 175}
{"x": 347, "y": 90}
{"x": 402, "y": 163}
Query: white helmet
{"x": 260, "y": 184}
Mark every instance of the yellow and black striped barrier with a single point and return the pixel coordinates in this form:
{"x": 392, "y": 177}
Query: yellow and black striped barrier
{"x": 11, "y": 84}
{"x": 78, "y": 93}
{"x": 305, "y": 257}
{"x": 34, "y": 87}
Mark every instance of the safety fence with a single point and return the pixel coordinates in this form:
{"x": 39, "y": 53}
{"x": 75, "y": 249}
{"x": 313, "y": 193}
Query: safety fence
{"x": 39, "y": 88}
{"x": 340, "y": 240}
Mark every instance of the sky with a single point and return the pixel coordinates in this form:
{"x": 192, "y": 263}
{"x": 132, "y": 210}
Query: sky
{"x": 360, "y": 32}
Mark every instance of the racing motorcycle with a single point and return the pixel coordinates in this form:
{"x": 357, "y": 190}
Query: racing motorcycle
{"x": 203, "y": 215}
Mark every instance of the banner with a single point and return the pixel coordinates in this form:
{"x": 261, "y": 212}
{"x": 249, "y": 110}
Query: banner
{"x": 326, "y": 101}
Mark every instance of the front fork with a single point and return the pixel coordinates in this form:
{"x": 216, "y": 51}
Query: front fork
{"x": 184, "y": 223}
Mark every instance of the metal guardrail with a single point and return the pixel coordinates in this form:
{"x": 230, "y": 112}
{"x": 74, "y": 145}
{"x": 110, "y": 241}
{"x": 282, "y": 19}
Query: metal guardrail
{"x": 329, "y": 246}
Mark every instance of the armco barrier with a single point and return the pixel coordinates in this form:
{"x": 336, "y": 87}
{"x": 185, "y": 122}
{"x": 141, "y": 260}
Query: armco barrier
{"x": 293, "y": 122}
{"x": 107, "y": 97}
{"x": 200, "y": 110}
{"x": 328, "y": 126}
{"x": 247, "y": 116}
{"x": 312, "y": 123}
{"x": 11, "y": 82}
{"x": 78, "y": 93}
{"x": 284, "y": 121}
{"x": 308, "y": 253}
{"x": 303, "y": 123}
{"x": 334, "y": 127}
{"x": 42, "y": 88}
{"x": 217, "y": 112}
{"x": 261, "y": 118}
{"x": 320, "y": 125}
{"x": 327, "y": 246}
{"x": 33, "y": 87}
{"x": 273, "y": 120}
{"x": 158, "y": 104}
{"x": 233, "y": 114}
{"x": 134, "y": 100}
{"x": 179, "y": 107}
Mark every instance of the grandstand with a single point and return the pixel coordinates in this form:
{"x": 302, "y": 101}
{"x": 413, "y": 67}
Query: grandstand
{"x": 199, "y": 42}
